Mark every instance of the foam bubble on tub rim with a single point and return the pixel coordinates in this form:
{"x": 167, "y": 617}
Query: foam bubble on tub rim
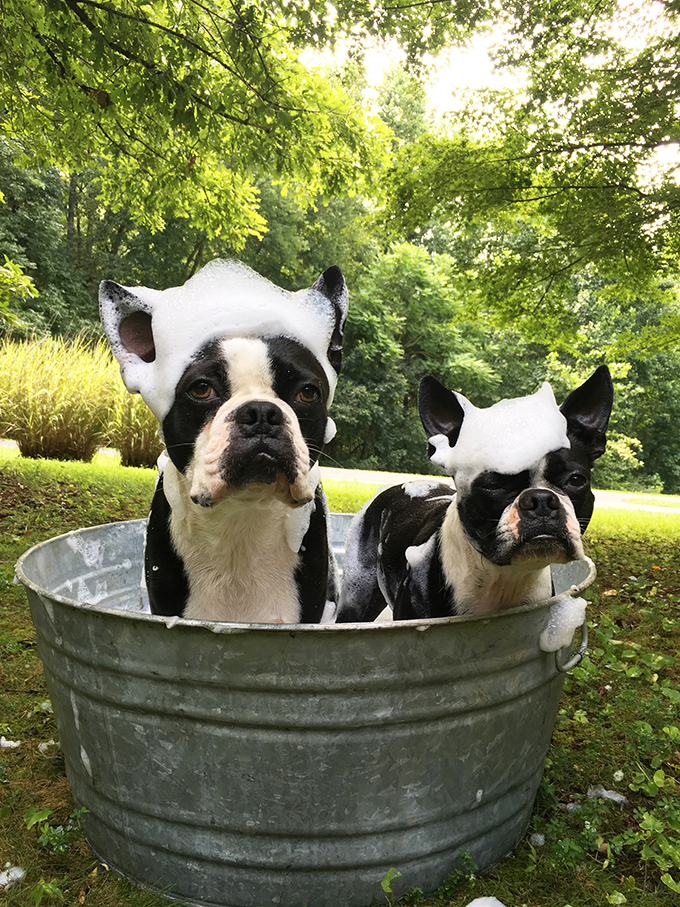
{"x": 567, "y": 614}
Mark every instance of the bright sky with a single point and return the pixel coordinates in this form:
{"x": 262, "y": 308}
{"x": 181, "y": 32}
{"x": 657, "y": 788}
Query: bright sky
{"x": 453, "y": 70}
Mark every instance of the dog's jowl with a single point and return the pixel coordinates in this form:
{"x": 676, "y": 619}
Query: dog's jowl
{"x": 240, "y": 374}
{"x": 522, "y": 499}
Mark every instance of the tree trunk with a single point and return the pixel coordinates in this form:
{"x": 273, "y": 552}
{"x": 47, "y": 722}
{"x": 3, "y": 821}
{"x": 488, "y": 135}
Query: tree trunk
{"x": 71, "y": 214}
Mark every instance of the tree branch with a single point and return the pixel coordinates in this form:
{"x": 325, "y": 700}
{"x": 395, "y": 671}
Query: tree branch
{"x": 233, "y": 69}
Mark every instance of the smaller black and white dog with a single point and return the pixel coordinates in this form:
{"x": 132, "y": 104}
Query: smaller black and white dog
{"x": 239, "y": 374}
{"x": 522, "y": 499}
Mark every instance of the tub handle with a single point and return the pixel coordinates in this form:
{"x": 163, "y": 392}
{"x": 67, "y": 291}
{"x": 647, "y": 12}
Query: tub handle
{"x": 578, "y": 655}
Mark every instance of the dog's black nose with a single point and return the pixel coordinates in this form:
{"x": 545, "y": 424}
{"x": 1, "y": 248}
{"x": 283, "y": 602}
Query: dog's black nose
{"x": 542, "y": 501}
{"x": 260, "y": 415}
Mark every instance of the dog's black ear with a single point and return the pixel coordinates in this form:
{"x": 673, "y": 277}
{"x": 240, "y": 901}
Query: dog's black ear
{"x": 440, "y": 411}
{"x": 332, "y": 285}
{"x": 126, "y": 321}
{"x": 587, "y": 411}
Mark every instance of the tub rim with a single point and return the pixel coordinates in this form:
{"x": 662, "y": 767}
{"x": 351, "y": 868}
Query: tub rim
{"x": 226, "y": 627}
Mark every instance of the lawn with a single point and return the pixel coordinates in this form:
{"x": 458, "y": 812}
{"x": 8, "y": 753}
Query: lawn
{"x": 617, "y": 725}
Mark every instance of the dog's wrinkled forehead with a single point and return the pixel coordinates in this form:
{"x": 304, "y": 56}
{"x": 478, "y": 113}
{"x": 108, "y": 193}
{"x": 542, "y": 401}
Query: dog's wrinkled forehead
{"x": 225, "y": 299}
{"x": 509, "y": 437}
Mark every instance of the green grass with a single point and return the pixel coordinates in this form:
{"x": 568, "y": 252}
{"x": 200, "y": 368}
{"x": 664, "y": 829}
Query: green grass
{"x": 639, "y": 524}
{"x": 657, "y": 500}
{"x": 617, "y": 723}
{"x": 348, "y": 497}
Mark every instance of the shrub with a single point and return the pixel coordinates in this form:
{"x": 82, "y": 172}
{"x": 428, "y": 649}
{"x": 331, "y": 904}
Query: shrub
{"x": 133, "y": 429}
{"x": 55, "y": 396}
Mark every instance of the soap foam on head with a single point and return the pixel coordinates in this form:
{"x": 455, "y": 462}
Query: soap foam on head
{"x": 224, "y": 299}
{"x": 508, "y": 437}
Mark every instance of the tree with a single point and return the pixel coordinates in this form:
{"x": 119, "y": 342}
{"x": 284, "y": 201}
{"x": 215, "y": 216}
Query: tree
{"x": 180, "y": 106}
{"x": 14, "y": 285}
{"x": 568, "y": 175}
{"x": 32, "y": 236}
{"x": 402, "y": 102}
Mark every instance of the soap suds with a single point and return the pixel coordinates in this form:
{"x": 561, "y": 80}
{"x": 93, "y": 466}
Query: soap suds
{"x": 224, "y": 299}
{"x": 508, "y": 437}
{"x": 567, "y": 614}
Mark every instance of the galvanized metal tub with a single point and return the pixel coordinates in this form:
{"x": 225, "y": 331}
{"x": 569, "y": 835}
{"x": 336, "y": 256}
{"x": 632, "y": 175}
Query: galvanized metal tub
{"x": 245, "y": 765}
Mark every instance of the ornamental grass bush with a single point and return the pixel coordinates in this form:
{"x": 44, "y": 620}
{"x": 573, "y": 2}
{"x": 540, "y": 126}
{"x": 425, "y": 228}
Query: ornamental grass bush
{"x": 64, "y": 399}
{"x": 133, "y": 429}
{"x": 56, "y": 396}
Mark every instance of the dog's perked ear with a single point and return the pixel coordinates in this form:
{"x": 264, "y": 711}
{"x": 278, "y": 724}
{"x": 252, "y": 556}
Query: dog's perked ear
{"x": 440, "y": 411}
{"x": 126, "y": 320}
{"x": 332, "y": 285}
{"x": 587, "y": 411}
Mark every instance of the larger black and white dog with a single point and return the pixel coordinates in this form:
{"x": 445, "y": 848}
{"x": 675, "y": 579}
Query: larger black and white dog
{"x": 522, "y": 498}
{"x": 240, "y": 374}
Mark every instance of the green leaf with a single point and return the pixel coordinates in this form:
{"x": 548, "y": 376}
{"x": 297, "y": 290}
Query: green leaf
{"x": 670, "y": 882}
{"x": 386, "y": 883}
{"x": 34, "y": 816}
{"x": 659, "y": 778}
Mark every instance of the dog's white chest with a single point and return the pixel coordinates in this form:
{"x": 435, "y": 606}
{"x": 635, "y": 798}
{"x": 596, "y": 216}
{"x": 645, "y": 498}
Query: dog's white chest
{"x": 478, "y": 585}
{"x": 237, "y": 556}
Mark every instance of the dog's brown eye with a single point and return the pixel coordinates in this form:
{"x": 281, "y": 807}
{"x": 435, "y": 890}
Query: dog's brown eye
{"x": 201, "y": 390}
{"x": 578, "y": 480}
{"x": 309, "y": 394}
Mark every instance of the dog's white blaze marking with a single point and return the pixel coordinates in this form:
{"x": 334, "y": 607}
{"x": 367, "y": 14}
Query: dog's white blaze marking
{"x": 250, "y": 373}
{"x": 480, "y": 586}
{"x": 224, "y": 299}
{"x": 567, "y": 614}
{"x": 251, "y": 380}
{"x": 508, "y": 437}
{"x": 238, "y": 559}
